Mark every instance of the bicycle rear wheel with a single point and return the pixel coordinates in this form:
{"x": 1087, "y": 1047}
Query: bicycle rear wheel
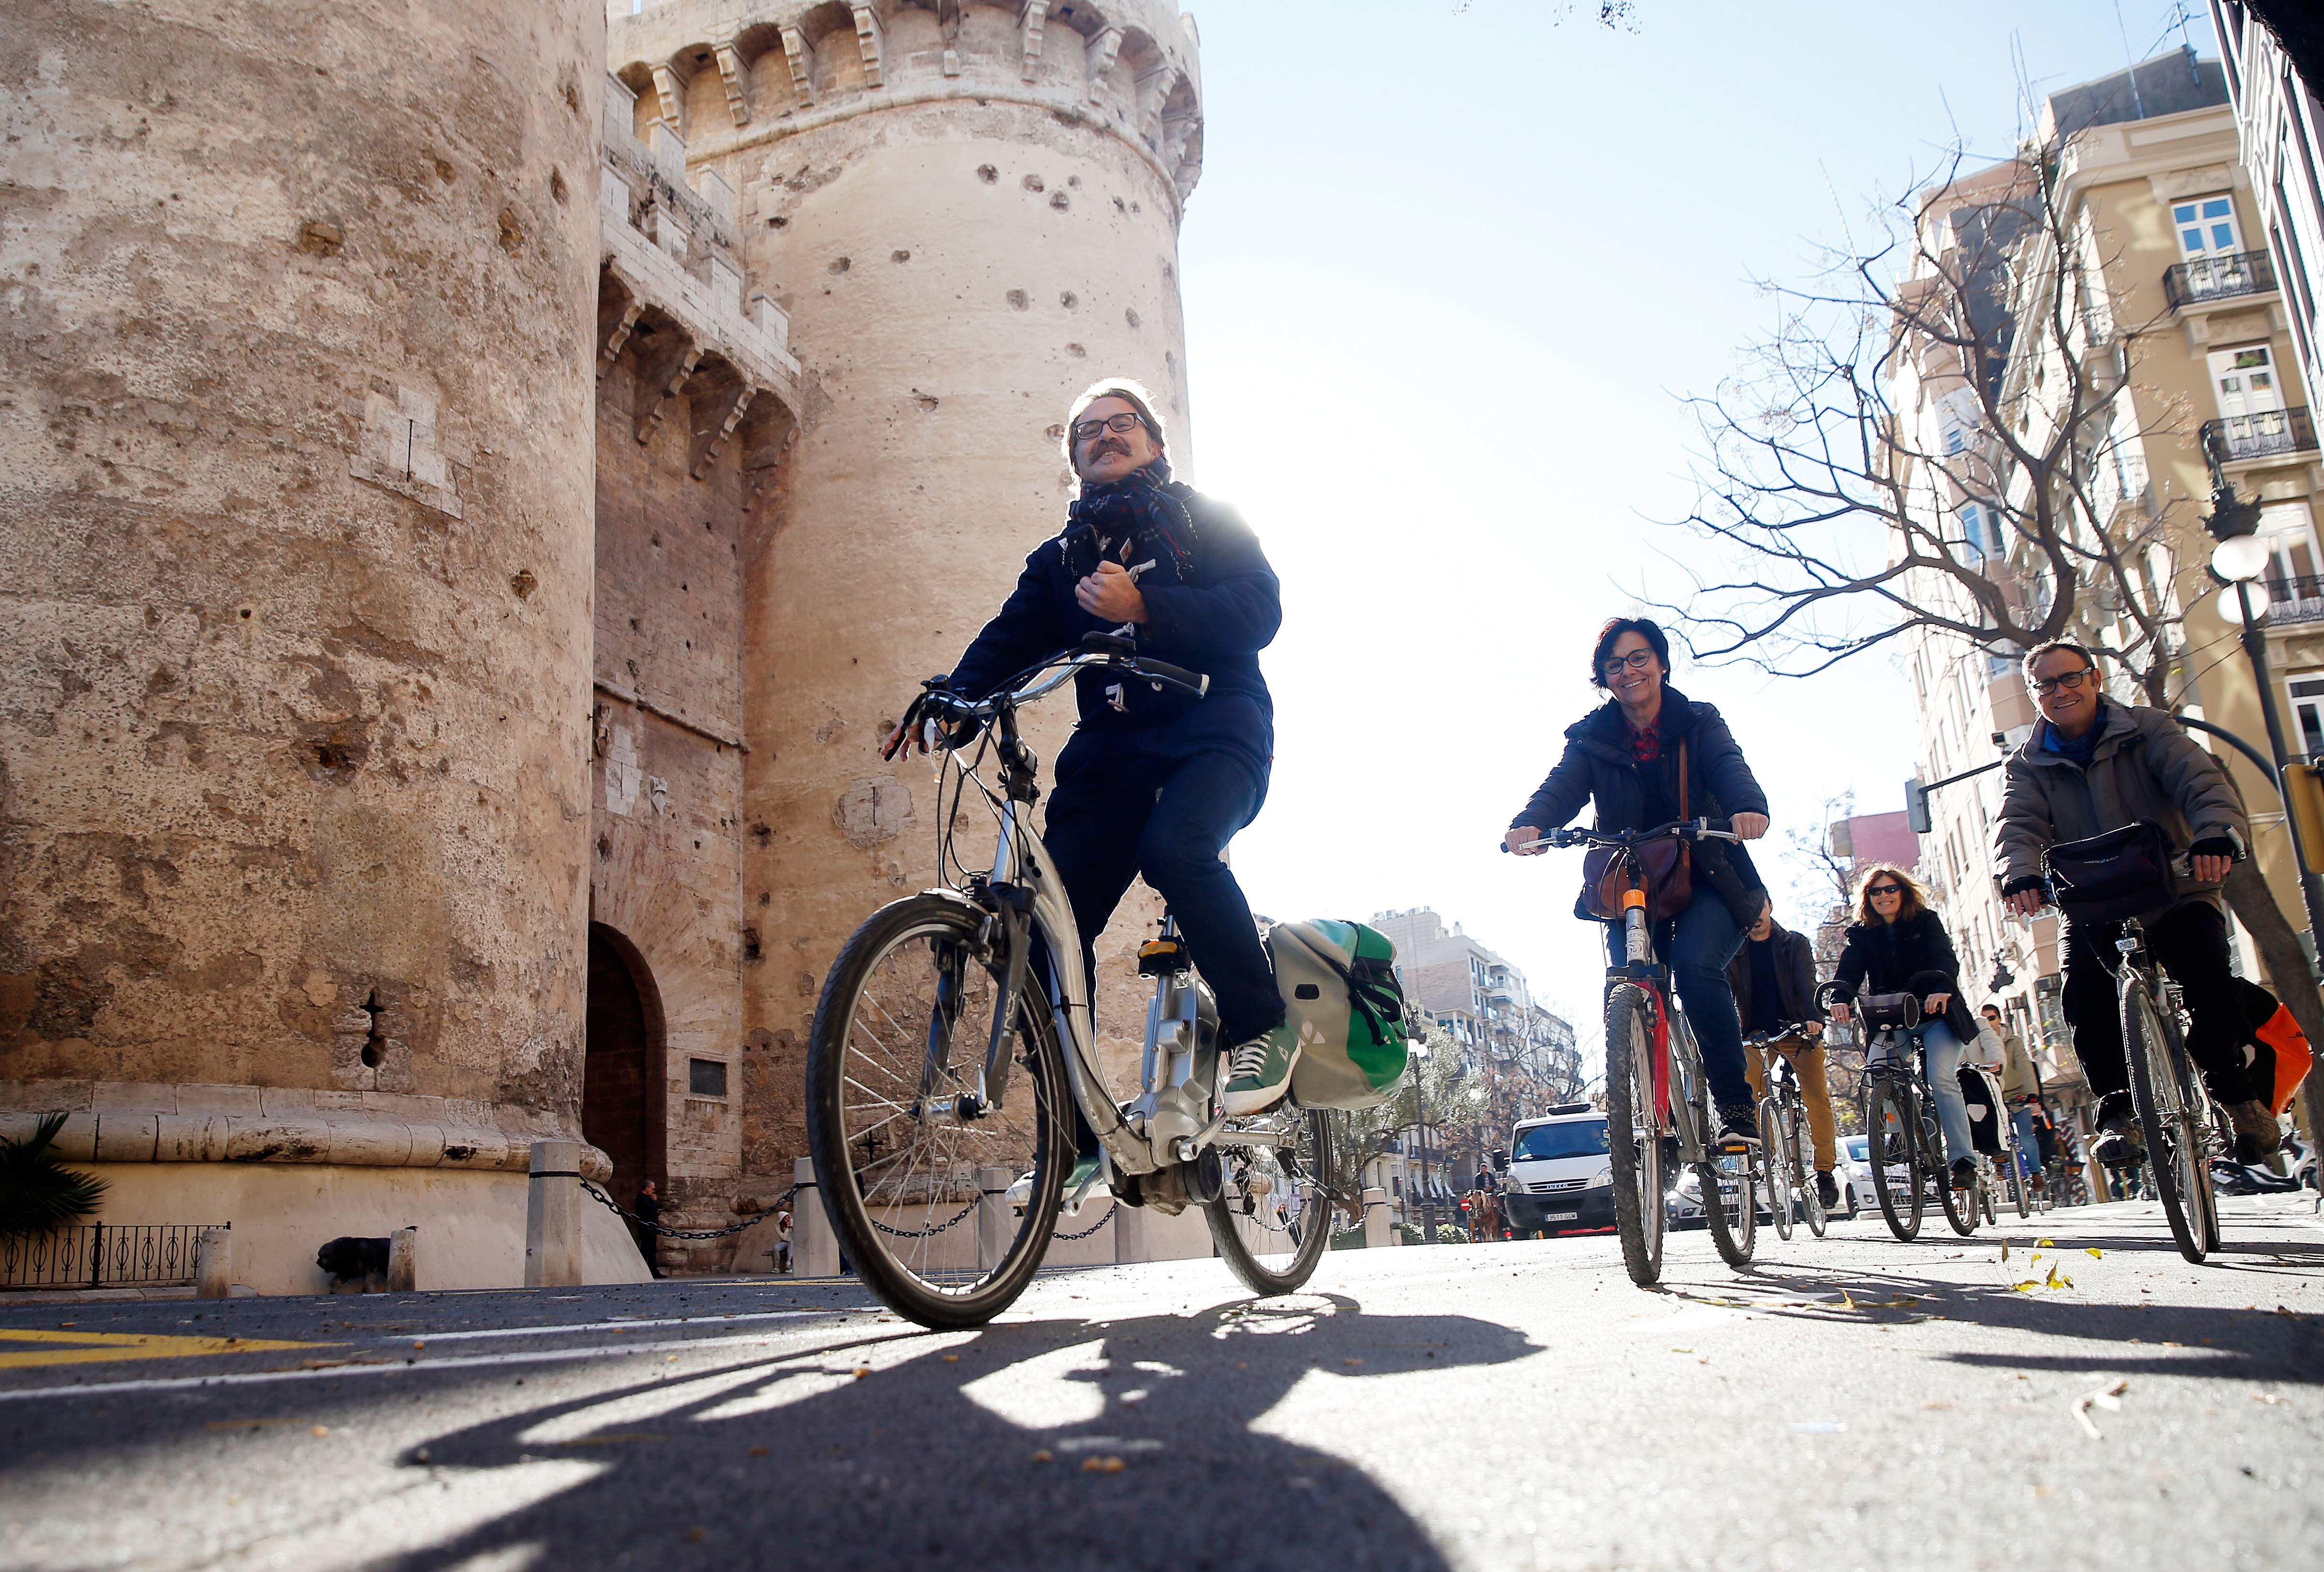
{"x": 2020, "y": 1185}
{"x": 1728, "y": 1181}
{"x": 1634, "y": 1132}
{"x": 2174, "y": 1137}
{"x": 1893, "y": 1121}
{"x": 903, "y": 1165}
{"x": 1782, "y": 1165}
{"x": 1270, "y": 1253}
{"x": 1811, "y": 1197}
{"x": 1960, "y": 1205}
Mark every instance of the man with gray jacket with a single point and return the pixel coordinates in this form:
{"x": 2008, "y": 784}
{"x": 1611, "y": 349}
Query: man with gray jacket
{"x": 2093, "y": 766}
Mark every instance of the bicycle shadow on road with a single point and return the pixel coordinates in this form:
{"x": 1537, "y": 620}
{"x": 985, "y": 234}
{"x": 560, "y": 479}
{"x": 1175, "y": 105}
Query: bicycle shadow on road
{"x": 1126, "y": 1442}
{"x": 2263, "y": 1340}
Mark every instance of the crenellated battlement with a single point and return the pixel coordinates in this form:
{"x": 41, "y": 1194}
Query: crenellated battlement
{"x": 723, "y": 72}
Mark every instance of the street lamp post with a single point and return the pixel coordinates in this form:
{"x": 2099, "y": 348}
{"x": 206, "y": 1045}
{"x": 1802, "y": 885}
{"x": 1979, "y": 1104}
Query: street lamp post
{"x": 2238, "y": 561}
{"x": 1420, "y": 1138}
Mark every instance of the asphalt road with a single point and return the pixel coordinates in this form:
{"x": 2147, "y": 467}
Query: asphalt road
{"x": 1850, "y": 1403}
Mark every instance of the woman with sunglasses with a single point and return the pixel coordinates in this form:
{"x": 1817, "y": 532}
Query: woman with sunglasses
{"x": 1898, "y": 946}
{"x": 1626, "y": 756}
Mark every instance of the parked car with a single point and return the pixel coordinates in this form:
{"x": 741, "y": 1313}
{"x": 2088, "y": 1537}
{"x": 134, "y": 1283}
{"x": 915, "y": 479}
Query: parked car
{"x": 1855, "y": 1176}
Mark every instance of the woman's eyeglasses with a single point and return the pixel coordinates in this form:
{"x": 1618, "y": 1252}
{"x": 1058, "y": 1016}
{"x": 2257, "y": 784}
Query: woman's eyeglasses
{"x": 1085, "y": 430}
{"x": 1885, "y": 889}
{"x": 1636, "y": 661}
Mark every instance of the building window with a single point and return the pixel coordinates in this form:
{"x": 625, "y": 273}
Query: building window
{"x": 2244, "y": 380}
{"x": 706, "y": 1078}
{"x": 2308, "y": 715}
{"x": 2290, "y": 532}
{"x": 2206, "y": 226}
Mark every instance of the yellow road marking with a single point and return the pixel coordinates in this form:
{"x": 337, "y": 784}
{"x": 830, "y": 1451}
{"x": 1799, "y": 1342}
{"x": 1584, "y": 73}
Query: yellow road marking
{"x": 112, "y": 1346}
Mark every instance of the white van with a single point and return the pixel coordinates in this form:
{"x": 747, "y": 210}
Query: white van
{"x": 1558, "y": 1177}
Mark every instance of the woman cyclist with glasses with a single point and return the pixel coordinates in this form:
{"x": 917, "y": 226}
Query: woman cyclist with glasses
{"x": 1898, "y": 946}
{"x": 1625, "y": 755}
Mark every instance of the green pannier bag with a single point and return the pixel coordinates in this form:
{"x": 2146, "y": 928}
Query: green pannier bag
{"x": 1343, "y": 999}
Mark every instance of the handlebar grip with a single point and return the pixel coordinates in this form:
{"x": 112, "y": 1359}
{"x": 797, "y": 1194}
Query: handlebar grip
{"x": 1162, "y": 670}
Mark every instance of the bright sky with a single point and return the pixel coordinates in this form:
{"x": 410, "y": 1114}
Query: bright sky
{"x": 1449, "y": 271}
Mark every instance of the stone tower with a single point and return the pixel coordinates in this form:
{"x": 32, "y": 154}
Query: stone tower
{"x": 968, "y": 212}
{"x": 296, "y": 495}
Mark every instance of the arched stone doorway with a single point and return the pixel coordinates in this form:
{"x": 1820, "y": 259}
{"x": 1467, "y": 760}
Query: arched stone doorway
{"x": 622, "y": 1071}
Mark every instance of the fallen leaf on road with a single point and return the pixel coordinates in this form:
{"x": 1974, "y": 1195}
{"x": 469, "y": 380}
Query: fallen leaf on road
{"x": 861, "y": 1370}
{"x": 952, "y": 1359}
{"x": 321, "y": 1430}
{"x": 2094, "y": 1252}
{"x": 2108, "y": 1397}
{"x": 2027, "y": 1286}
{"x": 1101, "y": 1465}
{"x": 1044, "y": 1455}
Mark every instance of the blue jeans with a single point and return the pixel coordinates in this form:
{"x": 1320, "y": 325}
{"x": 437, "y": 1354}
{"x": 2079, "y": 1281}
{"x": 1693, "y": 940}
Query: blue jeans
{"x": 1696, "y": 945}
{"x": 2029, "y": 1149}
{"x": 1944, "y": 1053}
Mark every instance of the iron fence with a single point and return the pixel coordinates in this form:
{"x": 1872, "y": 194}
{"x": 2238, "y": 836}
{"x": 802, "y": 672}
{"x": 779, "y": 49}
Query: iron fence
{"x": 2259, "y": 436}
{"x": 102, "y": 1255}
{"x": 2219, "y": 278}
{"x": 2296, "y": 599}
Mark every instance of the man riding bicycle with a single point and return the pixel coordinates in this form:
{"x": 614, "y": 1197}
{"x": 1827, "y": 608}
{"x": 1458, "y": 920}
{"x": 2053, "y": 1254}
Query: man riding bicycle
{"x": 1773, "y": 977}
{"x": 1155, "y": 783}
{"x": 2093, "y": 765}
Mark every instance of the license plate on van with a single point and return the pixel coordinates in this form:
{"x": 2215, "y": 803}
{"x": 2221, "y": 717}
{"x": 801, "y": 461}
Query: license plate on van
{"x": 1562, "y": 1218}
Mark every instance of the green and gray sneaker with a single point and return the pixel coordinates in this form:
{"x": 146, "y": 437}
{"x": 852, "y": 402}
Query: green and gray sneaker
{"x": 1259, "y": 1071}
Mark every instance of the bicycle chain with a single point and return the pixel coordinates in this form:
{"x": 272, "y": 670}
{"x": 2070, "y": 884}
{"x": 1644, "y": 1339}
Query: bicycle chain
{"x": 602, "y": 1200}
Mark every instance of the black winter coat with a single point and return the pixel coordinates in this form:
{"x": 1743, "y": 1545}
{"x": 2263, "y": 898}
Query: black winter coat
{"x": 1795, "y": 983}
{"x": 1216, "y": 621}
{"x": 1914, "y": 955}
{"x": 1597, "y": 767}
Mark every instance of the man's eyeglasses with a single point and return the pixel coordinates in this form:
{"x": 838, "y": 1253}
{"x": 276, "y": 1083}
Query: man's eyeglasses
{"x": 2045, "y": 685}
{"x": 1636, "y": 661}
{"x": 1886, "y": 889}
{"x": 1085, "y": 430}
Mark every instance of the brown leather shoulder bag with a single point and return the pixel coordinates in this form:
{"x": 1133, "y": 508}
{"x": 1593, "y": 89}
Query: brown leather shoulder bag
{"x": 1669, "y": 868}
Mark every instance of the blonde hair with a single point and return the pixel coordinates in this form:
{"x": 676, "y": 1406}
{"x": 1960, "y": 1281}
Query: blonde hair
{"x": 1915, "y": 900}
{"x": 1130, "y": 390}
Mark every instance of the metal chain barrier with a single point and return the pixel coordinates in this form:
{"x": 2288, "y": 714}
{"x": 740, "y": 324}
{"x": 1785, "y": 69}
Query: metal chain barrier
{"x": 953, "y": 1222}
{"x": 1094, "y": 1227}
{"x": 669, "y": 1233}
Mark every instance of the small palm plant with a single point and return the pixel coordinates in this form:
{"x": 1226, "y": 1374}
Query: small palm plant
{"x": 37, "y": 1191}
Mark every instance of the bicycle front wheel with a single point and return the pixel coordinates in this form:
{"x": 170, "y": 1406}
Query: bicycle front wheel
{"x": 1272, "y": 1221}
{"x": 1634, "y": 1132}
{"x": 1960, "y": 1205}
{"x": 1782, "y": 1165}
{"x": 2020, "y": 1185}
{"x": 1811, "y": 1197}
{"x": 923, "y": 1184}
{"x": 1894, "y": 1120}
{"x": 2170, "y": 1112}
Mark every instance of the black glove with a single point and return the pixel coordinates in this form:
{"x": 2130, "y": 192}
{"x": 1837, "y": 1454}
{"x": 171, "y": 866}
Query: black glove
{"x": 2018, "y": 886}
{"x": 2214, "y": 846}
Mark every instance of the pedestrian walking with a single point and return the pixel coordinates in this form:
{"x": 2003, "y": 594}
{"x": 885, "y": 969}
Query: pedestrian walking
{"x": 782, "y": 1241}
{"x": 648, "y": 1208}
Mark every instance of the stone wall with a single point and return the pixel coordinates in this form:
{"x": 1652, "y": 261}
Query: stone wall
{"x": 295, "y": 492}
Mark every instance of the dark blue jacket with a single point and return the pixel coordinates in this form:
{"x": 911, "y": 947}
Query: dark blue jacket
{"x": 1597, "y": 767}
{"x": 1216, "y": 621}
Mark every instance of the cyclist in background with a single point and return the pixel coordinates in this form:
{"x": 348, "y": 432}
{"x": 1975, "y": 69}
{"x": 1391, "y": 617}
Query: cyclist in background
{"x": 1773, "y": 977}
{"x": 2092, "y": 766}
{"x": 1898, "y": 946}
{"x": 1624, "y": 756}
{"x": 2021, "y": 1091}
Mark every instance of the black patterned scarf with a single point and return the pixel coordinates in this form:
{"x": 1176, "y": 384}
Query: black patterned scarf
{"x": 1136, "y": 519}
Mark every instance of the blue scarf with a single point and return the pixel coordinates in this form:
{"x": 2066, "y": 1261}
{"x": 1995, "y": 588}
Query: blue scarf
{"x": 1137, "y": 518}
{"x": 2080, "y": 749}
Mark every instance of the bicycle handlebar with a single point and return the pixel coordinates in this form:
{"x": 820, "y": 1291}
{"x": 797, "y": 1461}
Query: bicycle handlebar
{"x": 1677, "y": 829}
{"x": 1114, "y": 650}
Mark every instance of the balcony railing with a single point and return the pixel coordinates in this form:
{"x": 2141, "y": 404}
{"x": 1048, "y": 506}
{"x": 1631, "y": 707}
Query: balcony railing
{"x": 2265, "y": 435}
{"x": 2219, "y": 278}
{"x": 2295, "y": 600}
{"x": 2115, "y": 477}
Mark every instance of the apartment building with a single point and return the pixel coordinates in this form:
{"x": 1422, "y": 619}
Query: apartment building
{"x": 2279, "y": 121}
{"x": 1483, "y": 1002}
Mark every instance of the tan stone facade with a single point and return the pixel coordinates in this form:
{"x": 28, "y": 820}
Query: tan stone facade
{"x": 382, "y": 727}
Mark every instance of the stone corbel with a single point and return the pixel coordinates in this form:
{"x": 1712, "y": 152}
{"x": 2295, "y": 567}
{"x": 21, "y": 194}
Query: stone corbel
{"x": 671, "y": 92}
{"x": 1099, "y": 55}
{"x": 670, "y": 379}
{"x": 623, "y": 324}
{"x": 1034, "y": 19}
{"x": 709, "y": 454}
{"x": 871, "y": 39}
{"x": 800, "y": 53}
{"x": 1154, "y": 90}
{"x": 737, "y": 82}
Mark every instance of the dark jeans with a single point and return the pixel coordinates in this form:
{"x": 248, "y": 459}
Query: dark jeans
{"x": 1117, "y": 813}
{"x": 1696, "y": 945}
{"x": 2191, "y": 943}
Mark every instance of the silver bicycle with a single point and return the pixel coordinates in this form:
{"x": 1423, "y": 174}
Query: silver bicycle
{"x": 954, "y": 1040}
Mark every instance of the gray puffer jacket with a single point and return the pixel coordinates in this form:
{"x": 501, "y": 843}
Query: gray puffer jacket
{"x": 2145, "y": 766}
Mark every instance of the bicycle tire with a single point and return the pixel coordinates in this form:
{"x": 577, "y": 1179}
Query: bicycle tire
{"x": 1984, "y": 1198}
{"x": 1960, "y": 1205}
{"x": 1262, "y": 1276}
{"x": 1728, "y": 1205}
{"x": 2174, "y": 1150}
{"x": 2021, "y": 1189}
{"x": 1892, "y": 1116}
{"x": 1633, "y": 1132}
{"x": 1781, "y": 1174}
{"x": 1810, "y": 1199}
{"x": 912, "y": 1270}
